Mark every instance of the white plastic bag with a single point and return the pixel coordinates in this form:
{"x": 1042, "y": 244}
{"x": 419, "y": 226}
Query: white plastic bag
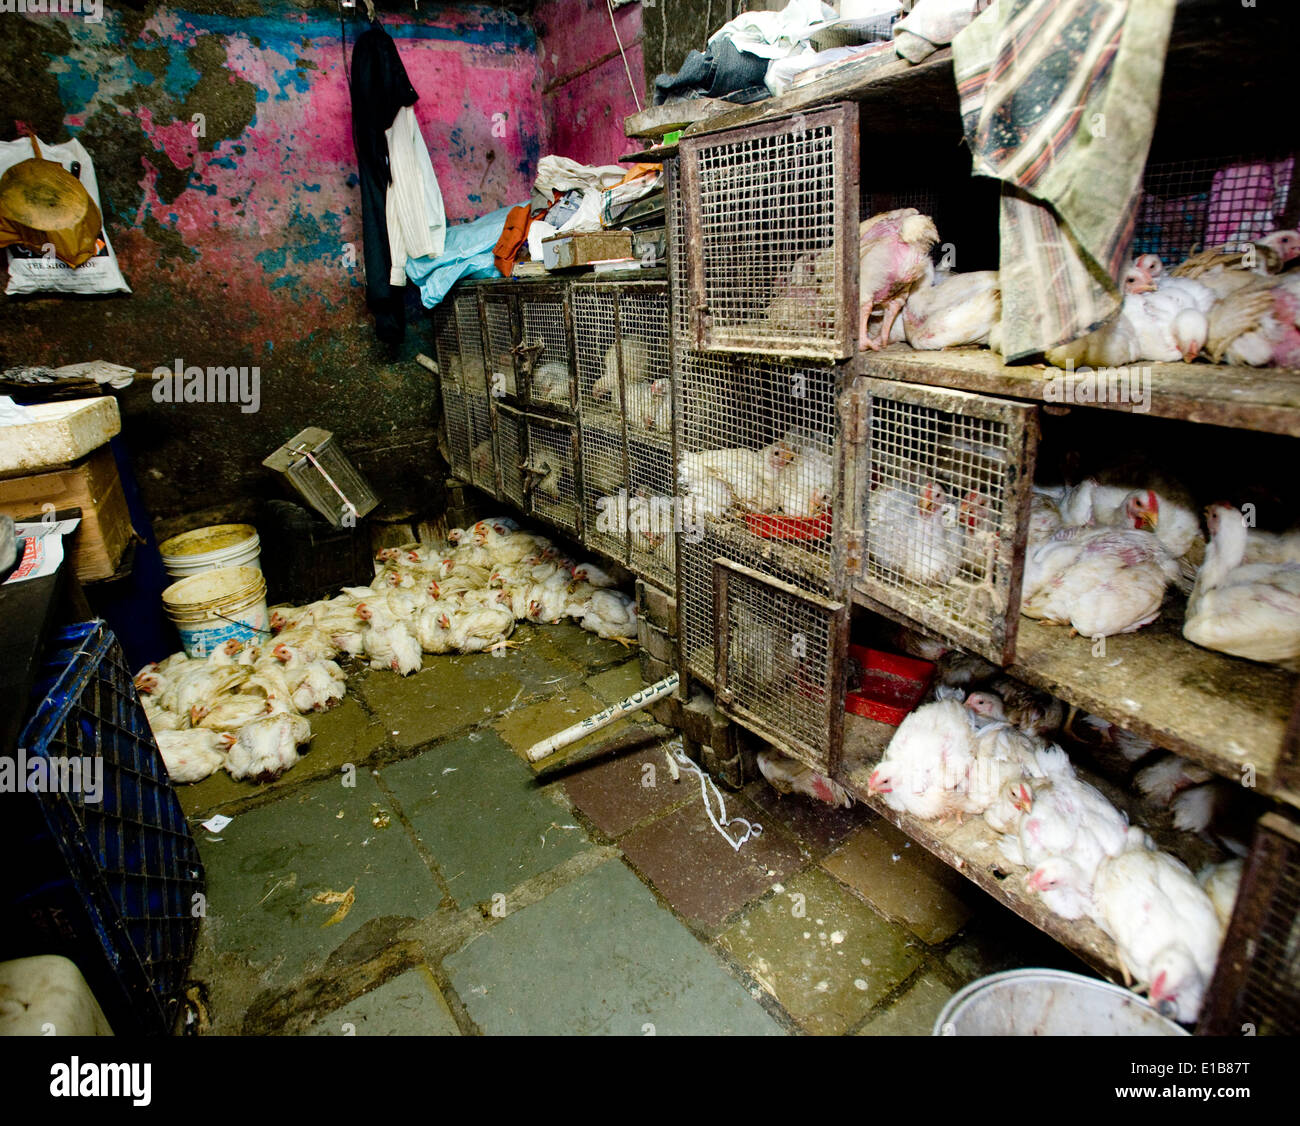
{"x": 30, "y": 271}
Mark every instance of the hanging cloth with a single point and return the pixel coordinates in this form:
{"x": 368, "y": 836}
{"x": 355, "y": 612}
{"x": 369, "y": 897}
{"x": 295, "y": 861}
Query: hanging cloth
{"x": 417, "y": 222}
{"x": 380, "y": 88}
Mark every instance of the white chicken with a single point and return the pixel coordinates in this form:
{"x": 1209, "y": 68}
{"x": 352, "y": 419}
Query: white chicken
{"x": 551, "y": 380}
{"x": 611, "y": 614}
{"x": 1100, "y": 581}
{"x": 787, "y": 775}
{"x": 924, "y": 771}
{"x": 1169, "y": 775}
{"x": 893, "y": 261}
{"x": 957, "y": 312}
{"x": 750, "y": 476}
{"x": 1221, "y": 882}
{"x": 636, "y": 367}
{"x": 481, "y": 625}
{"x": 914, "y": 533}
{"x": 267, "y": 747}
{"x": 1249, "y": 610}
{"x": 1258, "y": 325}
{"x": 649, "y": 405}
{"x": 191, "y": 756}
{"x": 805, "y": 487}
{"x": 1164, "y": 926}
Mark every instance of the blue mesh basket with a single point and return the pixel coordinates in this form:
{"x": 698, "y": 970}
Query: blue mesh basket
{"x": 110, "y": 883}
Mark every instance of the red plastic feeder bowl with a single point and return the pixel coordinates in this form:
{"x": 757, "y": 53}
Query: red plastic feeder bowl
{"x": 789, "y": 527}
{"x": 892, "y": 685}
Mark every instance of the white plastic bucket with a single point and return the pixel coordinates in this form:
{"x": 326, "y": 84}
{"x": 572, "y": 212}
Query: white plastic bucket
{"x": 209, "y": 549}
{"x": 1035, "y": 1002}
{"x": 215, "y": 606}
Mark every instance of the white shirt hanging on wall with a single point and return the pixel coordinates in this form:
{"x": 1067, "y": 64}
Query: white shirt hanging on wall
{"x": 417, "y": 221}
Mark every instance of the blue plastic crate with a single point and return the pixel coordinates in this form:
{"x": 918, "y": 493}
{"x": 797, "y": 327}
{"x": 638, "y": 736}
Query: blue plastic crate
{"x": 110, "y": 883}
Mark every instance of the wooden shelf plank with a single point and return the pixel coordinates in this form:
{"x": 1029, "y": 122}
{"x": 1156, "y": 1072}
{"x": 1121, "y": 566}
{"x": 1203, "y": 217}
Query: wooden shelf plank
{"x": 970, "y": 849}
{"x": 1222, "y": 712}
{"x": 1266, "y": 399}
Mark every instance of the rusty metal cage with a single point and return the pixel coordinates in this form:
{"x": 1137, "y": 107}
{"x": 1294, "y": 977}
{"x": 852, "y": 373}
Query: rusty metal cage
{"x": 469, "y": 332}
{"x": 499, "y": 339}
{"x": 552, "y": 468}
{"x": 512, "y": 452}
{"x": 1201, "y": 204}
{"x": 678, "y": 266}
{"x": 757, "y": 482}
{"x": 651, "y": 513}
{"x": 942, "y": 484}
{"x": 780, "y": 658}
{"x": 624, "y": 401}
{"x": 771, "y": 221}
{"x": 546, "y": 349}
{"x": 1256, "y": 986}
{"x": 454, "y": 413}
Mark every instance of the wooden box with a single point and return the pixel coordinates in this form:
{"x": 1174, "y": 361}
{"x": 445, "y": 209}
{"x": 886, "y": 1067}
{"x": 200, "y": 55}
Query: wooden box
{"x": 569, "y": 252}
{"x": 90, "y": 484}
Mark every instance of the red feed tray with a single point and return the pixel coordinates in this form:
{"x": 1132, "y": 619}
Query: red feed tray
{"x": 789, "y": 527}
{"x": 892, "y": 685}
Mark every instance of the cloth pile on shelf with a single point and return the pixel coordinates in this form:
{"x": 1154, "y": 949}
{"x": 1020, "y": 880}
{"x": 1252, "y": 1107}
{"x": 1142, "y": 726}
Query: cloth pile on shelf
{"x": 1071, "y": 156}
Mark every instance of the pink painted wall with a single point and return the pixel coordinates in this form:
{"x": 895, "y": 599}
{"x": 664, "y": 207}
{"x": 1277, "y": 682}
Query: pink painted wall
{"x": 585, "y": 114}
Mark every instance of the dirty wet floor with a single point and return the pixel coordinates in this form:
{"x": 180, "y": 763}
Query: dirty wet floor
{"x": 410, "y": 876}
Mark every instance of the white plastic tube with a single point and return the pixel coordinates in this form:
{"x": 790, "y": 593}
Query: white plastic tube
{"x": 633, "y": 703}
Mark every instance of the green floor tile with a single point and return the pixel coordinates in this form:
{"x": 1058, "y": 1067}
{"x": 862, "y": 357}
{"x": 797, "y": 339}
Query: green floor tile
{"x": 600, "y": 957}
{"x": 914, "y": 1013}
{"x": 617, "y": 684}
{"x": 268, "y": 864}
{"x": 521, "y": 727}
{"x": 825, "y": 955}
{"x": 409, "y": 1005}
{"x": 479, "y": 811}
{"x": 580, "y": 646}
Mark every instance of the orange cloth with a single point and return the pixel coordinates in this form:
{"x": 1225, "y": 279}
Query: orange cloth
{"x": 513, "y": 240}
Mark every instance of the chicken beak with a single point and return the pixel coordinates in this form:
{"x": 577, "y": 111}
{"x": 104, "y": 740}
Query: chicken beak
{"x": 1148, "y": 521}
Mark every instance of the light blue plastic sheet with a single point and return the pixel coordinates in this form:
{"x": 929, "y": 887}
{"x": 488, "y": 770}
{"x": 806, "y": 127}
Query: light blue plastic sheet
{"x": 467, "y": 254}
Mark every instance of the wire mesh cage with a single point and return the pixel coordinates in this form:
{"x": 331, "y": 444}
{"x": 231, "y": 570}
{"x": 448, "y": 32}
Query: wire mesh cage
{"x": 551, "y": 471}
{"x": 771, "y": 219}
{"x": 650, "y": 510}
{"x": 450, "y": 378}
{"x": 108, "y": 878}
{"x": 942, "y": 484}
{"x": 1256, "y": 986}
{"x": 1208, "y": 203}
{"x": 678, "y": 266}
{"x": 498, "y": 324}
{"x": 545, "y": 349}
{"x": 512, "y": 451}
{"x": 757, "y": 482}
{"x": 780, "y": 659}
{"x": 482, "y": 454}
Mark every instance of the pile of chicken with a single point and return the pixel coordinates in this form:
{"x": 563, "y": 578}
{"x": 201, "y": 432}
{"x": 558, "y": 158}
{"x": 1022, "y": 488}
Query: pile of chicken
{"x": 1234, "y": 306}
{"x": 794, "y": 475}
{"x": 951, "y": 759}
{"x": 1100, "y": 558}
{"x": 242, "y": 707}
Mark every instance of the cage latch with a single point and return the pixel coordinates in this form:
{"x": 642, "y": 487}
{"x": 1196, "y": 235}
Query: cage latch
{"x": 528, "y": 353}
{"x": 855, "y": 544}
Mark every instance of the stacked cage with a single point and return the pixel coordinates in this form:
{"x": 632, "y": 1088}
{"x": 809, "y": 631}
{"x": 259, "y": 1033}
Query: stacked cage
{"x": 621, "y": 337}
{"x": 764, "y": 273}
{"x": 455, "y": 411}
{"x": 473, "y": 368}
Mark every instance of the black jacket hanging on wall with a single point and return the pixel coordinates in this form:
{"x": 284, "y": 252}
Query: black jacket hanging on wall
{"x": 380, "y": 88}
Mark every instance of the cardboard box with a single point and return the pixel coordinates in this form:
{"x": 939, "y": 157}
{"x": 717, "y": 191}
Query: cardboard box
{"x": 91, "y": 484}
{"x": 570, "y": 252}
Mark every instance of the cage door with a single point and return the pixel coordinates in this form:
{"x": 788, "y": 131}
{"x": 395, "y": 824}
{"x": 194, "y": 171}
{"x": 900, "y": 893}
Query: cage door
{"x": 942, "y": 483}
{"x": 780, "y": 662}
{"x": 512, "y": 451}
{"x": 545, "y": 349}
{"x": 454, "y": 415}
{"x": 500, "y": 337}
{"x": 551, "y": 471}
{"x": 771, "y": 218}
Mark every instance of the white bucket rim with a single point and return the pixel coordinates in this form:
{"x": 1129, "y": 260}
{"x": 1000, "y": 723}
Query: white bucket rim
{"x": 246, "y": 542}
{"x": 252, "y": 588}
{"x": 1042, "y": 973}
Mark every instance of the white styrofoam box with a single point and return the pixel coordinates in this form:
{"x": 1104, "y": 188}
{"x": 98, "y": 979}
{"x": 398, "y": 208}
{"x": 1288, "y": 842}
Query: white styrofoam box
{"x": 59, "y": 434}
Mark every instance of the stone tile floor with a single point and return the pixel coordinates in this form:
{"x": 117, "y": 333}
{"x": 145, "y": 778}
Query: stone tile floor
{"x": 600, "y": 902}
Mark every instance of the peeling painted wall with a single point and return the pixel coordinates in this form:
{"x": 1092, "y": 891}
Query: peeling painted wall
{"x": 585, "y": 104}
{"x": 233, "y": 228}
